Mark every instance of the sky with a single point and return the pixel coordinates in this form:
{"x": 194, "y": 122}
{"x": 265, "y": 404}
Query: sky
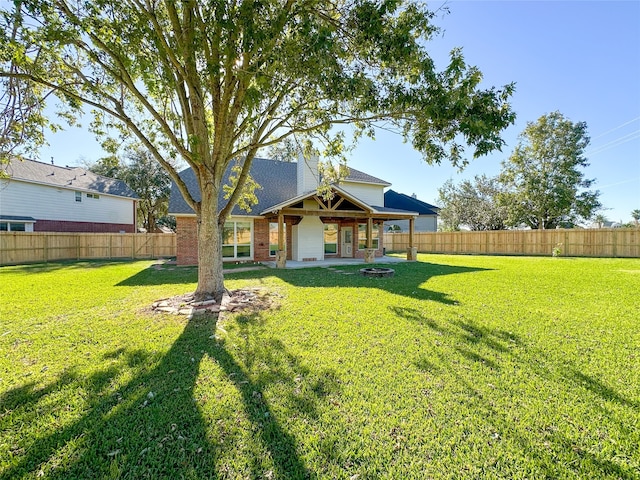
{"x": 581, "y": 58}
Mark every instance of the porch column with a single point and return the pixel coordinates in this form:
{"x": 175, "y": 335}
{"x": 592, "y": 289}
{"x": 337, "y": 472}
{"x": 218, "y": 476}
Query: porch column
{"x": 369, "y": 252}
{"x": 412, "y": 251}
{"x": 281, "y": 254}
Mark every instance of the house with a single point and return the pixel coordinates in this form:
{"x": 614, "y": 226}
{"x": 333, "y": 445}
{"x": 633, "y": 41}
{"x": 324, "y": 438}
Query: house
{"x": 291, "y": 221}
{"x": 427, "y": 220}
{"x": 42, "y": 197}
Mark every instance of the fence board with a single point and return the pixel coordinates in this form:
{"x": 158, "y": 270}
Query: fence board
{"x": 607, "y": 242}
{"x": 32, "y": 247}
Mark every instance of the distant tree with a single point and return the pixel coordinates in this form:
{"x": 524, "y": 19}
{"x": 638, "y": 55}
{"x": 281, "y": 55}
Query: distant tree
{"x": 147, "y": 179}
{"x": 635, "y": 214}
{"x": 151, "y": 183}
{"x": 472, "y": 203}
{"x": 544, "y": 183}
{"x": 109, "y": 166}
{"x": 600, "y": 220}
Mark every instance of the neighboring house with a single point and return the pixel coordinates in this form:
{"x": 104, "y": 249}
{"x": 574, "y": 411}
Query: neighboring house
{"x": 427, "y": 220}
{"x": 290, "y": 214}
{"x": 42, "y": 197}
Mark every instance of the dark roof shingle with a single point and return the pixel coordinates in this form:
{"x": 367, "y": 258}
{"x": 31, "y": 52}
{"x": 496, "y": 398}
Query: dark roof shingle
{"x": 277, "y": 182}
{"x": 400, "y": 201}
{"x": 74, "y": 178}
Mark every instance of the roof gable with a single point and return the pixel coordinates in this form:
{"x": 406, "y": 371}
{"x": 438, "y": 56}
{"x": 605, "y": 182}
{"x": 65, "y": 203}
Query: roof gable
{"x": 393, "y": 199}
{"x": 72, "y": 178}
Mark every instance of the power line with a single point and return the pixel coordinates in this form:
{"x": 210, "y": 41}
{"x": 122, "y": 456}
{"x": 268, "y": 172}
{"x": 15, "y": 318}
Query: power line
{"x": 614, "y": 143}
{"x": 616, "y": 128}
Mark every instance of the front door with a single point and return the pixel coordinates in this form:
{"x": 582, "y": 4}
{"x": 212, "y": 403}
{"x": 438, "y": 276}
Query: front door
{"x": 347, "y": 242}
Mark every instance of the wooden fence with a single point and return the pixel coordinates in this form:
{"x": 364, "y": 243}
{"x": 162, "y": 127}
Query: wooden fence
{"x": 21, "y": 247}
{"x": 609, "y": 242}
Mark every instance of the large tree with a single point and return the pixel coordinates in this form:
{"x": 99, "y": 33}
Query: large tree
{"x": 474, "y": 204}
{"x": 213, "y": 82}
{"x": 544, "y": 178}
{"x": 151, "y": 183}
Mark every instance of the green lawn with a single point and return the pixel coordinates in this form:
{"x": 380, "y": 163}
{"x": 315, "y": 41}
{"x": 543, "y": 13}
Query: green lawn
{"x": 458, "y": 367}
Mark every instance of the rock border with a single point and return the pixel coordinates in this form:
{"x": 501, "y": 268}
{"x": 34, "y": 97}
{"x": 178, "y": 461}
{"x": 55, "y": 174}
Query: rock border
{"x": 186, "y": 305}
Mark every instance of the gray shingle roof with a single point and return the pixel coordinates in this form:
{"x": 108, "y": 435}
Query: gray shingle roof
{"x": 358, "y": 176}
{"x": 401, "y": 201}
{"x": 278, "y": 182}
{"x": 73, "y": 178}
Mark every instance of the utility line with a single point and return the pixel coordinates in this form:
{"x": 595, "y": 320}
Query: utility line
{"x": 614, "y": 143}
{"x": 616, "y": 128}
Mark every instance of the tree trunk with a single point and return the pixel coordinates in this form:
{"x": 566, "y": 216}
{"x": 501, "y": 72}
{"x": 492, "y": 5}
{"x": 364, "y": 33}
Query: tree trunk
{"x": 210, "y": 277}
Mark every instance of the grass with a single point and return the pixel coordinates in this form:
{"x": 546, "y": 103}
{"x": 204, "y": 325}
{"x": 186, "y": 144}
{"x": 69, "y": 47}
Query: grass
{"x": 458, "y": 367}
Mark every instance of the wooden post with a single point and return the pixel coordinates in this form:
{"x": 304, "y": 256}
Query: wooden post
{"x": 45, "y": 247}
{"x": 369, "y": 252}
{"x": 281, "y": 231}
{"x": 281, "y": 254}
{"x": 412, "y": 251}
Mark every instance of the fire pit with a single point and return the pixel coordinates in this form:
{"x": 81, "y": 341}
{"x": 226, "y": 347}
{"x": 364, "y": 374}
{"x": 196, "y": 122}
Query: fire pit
{"x": 377, "y": 272}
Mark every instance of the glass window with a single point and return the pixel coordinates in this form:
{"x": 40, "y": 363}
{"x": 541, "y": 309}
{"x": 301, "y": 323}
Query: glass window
{"x": 273, "y": 238}
{"x": 78, "y": 196}
{"x": 362, "y": 237}
{"x": 13, "y": 227}
{"x": 243, "y": 239}
{"x": 236, "y": 240}
{"x": 330, "y": 238}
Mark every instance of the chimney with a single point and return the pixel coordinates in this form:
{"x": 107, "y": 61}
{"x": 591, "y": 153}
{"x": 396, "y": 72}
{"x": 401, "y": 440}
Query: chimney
{"x": 308, "y": 178}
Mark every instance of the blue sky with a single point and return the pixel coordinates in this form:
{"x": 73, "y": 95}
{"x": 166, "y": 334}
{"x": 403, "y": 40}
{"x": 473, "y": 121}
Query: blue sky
{"x": 580, "y": 58}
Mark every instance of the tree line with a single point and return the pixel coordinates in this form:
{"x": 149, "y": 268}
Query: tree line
{"x": 541, "y": 185}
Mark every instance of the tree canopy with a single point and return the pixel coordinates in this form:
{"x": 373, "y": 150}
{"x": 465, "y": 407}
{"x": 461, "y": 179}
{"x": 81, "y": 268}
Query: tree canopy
{"x": 545, "y": 185}
{"x": 147, "y": 179}
{"x": 474, "y": 204}
{"x": 211, "y": 83}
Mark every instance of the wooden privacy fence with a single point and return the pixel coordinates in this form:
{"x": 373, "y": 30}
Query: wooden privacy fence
{"x": 26, "y": 247}
{"x": 609, "y": 242}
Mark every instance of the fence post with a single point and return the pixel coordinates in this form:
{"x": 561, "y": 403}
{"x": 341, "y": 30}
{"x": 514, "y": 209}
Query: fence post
{"x": 133, "y": 246}
{"x": 45, "y": 248}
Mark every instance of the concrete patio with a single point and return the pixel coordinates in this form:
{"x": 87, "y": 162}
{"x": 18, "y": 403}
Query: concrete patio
{"x": 333, "y": 262}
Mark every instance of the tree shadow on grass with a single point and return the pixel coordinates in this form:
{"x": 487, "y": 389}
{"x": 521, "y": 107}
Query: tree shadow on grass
{"x": 462, "y": 345}
{"x": 409, "y": 278}
{"x": 154, "y": 425}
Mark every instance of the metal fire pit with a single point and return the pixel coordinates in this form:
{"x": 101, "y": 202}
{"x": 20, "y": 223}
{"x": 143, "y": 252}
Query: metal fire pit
{"x": 377, "y": 272}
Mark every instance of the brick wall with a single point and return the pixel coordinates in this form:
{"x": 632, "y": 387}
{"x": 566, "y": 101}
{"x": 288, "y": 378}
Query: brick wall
{"x": 186, "y": 241}
{"x": 81, "y": 227}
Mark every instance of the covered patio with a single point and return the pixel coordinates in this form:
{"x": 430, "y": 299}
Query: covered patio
{"x": 347, "y": 212}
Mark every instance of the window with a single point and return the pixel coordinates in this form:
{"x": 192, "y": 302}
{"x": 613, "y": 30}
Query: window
{"x": 330, "y": 238}
{"x": 93, "y": 195}
{"x": 273, "y": 238}
{"x": 362, "y": 237}
{"x": 236, "y": 240}
{"x": 78, "y": 196}
{"x": 13, "y": 227}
